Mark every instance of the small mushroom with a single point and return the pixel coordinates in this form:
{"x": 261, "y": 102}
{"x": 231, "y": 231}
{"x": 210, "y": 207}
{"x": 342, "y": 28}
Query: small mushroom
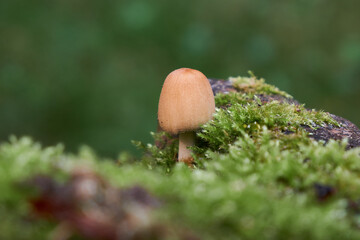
{"x": 186, "y": 102}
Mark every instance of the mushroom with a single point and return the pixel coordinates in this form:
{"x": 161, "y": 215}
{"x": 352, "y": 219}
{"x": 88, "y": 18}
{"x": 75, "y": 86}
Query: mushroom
{"x": 186, "y": 102}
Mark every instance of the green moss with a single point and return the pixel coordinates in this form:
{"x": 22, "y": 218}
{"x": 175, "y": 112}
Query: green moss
{"x": 225, "y": 100}
{"x": 254, "y": 178}
{"x": 282, "y": 119}
{"x": 252, "y": 85}
{"x": 164, "y": 155}
{"x": 256, "y": 190}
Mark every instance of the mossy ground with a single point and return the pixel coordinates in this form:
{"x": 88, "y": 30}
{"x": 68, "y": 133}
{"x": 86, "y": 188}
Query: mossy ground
{"x": 256, "y": 175}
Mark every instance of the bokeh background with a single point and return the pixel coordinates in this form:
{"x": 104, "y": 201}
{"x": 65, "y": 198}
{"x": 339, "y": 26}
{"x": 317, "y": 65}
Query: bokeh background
{"x": 90, "y": 72}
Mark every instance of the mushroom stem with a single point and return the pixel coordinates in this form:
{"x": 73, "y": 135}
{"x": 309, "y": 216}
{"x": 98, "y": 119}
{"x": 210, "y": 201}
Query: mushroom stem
{"x": 186, "y": 139}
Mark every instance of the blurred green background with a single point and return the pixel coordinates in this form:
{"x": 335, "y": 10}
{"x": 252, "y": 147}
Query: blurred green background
{"x": 90, "y": 72}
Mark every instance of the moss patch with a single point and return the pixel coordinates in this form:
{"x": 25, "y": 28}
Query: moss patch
{"x": 252, "y": 85}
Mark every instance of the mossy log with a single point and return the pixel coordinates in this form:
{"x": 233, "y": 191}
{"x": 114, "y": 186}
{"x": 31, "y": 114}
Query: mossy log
{"x": 346, "y": 129}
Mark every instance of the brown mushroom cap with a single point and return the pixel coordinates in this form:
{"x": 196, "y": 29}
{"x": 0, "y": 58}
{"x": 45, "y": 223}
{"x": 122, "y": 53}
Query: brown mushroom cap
{"x": 186, "y": 101}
